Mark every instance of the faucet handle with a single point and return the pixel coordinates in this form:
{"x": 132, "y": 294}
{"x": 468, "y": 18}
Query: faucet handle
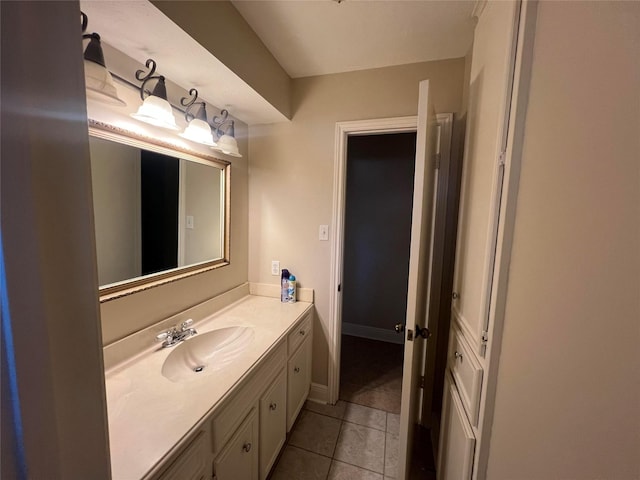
{"x": 163, "y": 336}
{"x": 186, "y": 324}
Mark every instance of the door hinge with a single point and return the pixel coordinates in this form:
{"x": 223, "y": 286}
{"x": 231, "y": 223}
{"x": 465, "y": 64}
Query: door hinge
{"x": 437, "y": 155}
{"x": 502, "y": 158}
{"x": 483, "y": 345}
{"x": 422, "y": 381}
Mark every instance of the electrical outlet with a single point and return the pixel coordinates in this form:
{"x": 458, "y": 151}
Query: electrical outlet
{"x": 275, "y": 267}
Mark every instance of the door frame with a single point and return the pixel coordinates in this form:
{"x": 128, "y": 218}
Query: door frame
{"x": 342, "y": 132}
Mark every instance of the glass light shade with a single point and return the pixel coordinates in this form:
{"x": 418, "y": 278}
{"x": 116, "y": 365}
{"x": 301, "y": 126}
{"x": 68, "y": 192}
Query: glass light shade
{"x": 199, "y": 131}
{"x": 99, "y": 84}
{"x": 156, "y": 111}
{"x": 228, "y": 145}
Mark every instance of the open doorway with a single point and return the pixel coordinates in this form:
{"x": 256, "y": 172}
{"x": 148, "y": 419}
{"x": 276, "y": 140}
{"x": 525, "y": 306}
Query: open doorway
{"x": 377, "y": 239}
{"x": 365, "y": 350}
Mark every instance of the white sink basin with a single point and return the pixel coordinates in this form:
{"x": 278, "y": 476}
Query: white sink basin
{"x": 206, "y": 353}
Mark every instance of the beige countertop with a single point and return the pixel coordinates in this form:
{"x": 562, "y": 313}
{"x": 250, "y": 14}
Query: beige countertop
{"x": 149, "y": 415}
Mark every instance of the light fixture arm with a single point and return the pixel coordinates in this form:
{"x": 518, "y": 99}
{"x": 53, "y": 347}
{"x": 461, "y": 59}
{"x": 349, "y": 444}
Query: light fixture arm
{"x": 201, "y": 114}
{"x": 160, "y": 90}
{"x": 220, "y": 122}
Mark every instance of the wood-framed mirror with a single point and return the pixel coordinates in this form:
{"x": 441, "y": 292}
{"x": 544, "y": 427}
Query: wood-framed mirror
{"x": 161, "y": 212}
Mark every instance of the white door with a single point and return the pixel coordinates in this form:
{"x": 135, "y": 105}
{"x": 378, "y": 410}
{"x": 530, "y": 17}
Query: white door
{"x": 420, "y": 257}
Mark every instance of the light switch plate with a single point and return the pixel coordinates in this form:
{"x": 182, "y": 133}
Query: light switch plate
{"x": 189, "y": 221}
{"x": 323, "y": 232}
{"x": 275, "y": 267}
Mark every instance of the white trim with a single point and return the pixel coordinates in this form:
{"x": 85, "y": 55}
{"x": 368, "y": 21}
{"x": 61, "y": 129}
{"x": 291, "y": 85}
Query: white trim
{"x": 318, "y": 393}
{"x": 372, "y": 333}
{"x": 343, "y": 130}
{"x": 478, "y": 8}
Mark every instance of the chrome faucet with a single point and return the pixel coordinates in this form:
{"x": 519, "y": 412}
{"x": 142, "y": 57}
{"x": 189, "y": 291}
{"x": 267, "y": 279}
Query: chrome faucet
{"x": 173, "y": 336}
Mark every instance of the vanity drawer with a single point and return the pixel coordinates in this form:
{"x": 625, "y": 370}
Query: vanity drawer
{"x": 299, "y": 333}
{"x": 467, "y": 374}
{"x": 237, "y": 406}
{"x": 191, "y": 463}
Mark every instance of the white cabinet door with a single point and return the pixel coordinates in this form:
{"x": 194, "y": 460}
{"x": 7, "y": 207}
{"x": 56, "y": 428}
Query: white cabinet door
{"x": 273, "y": 423}
{"x": 457, "y": 442}
{"x": 239, "y": 458}
{"x": 193, "y": 463}
{"x": 298, "y": 380}
{"x": 482, "y": 175}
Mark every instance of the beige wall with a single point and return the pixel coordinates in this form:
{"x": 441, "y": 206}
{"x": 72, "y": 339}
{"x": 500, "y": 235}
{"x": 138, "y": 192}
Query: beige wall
{"x": 291, "y": 170}
{"x": 220, "y": 28}
{"x": 568, "y": 397}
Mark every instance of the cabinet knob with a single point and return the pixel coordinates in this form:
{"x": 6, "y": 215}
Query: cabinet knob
{"x": 301, "y": 332}
{"x": 296, "y": 369}
{"x": 273, "y": 406}
{"x": 455, "y": 295}
{"x": 458, "y": 355}
{"x": 247, "y": 447}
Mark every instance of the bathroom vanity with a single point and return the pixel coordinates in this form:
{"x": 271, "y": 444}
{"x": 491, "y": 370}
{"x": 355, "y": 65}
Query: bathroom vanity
{"x": 173, "y": 415}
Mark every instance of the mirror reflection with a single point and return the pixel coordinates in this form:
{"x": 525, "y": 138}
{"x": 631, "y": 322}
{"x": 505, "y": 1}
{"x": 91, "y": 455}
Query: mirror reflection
{"x": 153, "y": 212}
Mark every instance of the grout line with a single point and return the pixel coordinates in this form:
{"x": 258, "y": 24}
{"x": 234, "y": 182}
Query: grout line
{"x": 358, "y": 466}
{"x": 384, "y": 455}
{"x": 366, "y": 426}
{"x": 310, "y": 451}
{"x": 333, "y": 454}
{"x": 324, "y": 415}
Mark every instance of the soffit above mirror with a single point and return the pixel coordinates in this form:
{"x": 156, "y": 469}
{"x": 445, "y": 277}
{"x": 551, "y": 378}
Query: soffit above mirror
{"x": 141, "y": 31}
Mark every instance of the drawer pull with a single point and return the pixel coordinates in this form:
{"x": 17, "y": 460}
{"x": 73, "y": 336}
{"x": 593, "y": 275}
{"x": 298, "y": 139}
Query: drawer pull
{"x": 247, "y": 447}
{"x": 296, "y": 369}
{"x": 302, "y": 332}
{"x": 273, "y": 406}
{"x": 458, "y": 355}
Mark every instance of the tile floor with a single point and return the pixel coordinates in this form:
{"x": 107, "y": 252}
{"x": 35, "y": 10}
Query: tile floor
{"x": 371, "y": 373}
{"x": 342, "y": 442}
{"x": 356, "y": 439}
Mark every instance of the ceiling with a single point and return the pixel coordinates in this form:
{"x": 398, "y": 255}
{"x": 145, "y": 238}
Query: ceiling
{"x": 318, "y": 37}
{"x": 312, "y": 37}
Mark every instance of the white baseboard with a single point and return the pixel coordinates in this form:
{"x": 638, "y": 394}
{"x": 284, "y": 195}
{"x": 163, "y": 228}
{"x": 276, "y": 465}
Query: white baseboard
{"x": 318, "y": 393}
{"x": 373, "y": 333}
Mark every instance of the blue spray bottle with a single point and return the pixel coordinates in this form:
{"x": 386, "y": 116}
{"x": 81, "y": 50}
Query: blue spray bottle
{"x": 284, "y": 286}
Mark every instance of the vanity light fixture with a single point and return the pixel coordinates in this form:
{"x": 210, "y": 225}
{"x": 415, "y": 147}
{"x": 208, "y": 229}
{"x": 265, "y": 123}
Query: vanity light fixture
{"x": 97, "y": 79}
{"x": 198, "y": 130}
{"x": 155, "y": 108}
{"x": 226, "y": 138}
